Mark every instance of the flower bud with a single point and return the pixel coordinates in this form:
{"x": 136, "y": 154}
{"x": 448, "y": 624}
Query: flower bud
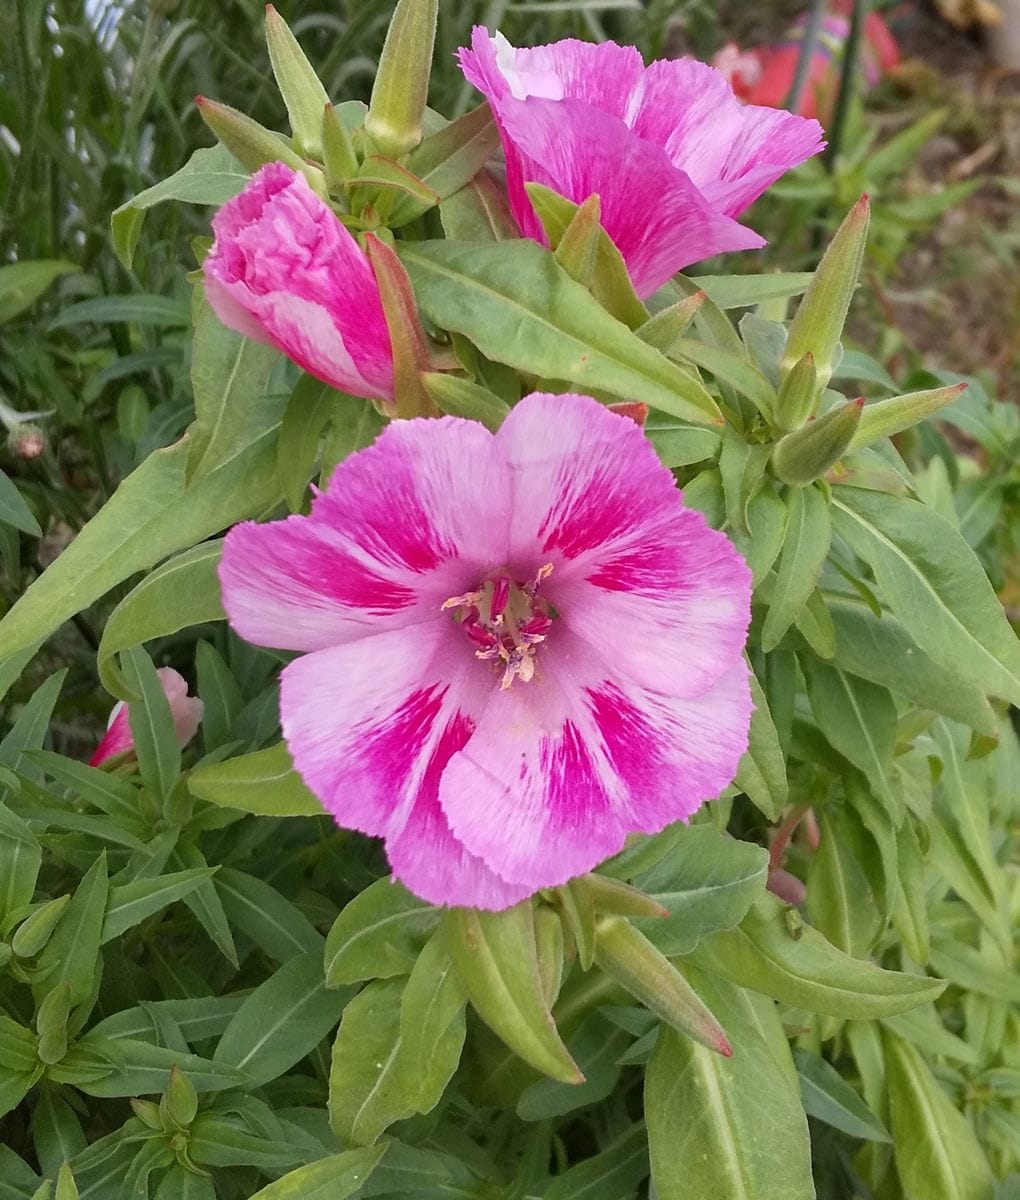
{"x": 34, "y": 932}
{"x": 252, "y": 144}
{"x": 402, "y": 80}
{"x": 818, "y": 325}
{"x": 806, "y": 454}
{"x": 299, "y": 86}
{"x": 888, "y": 417}
{"x": 798, "y": 395}
{"x": 666, "y": 328}
{"x": 26, "y": 441}
{"x": 179, "y": 1103}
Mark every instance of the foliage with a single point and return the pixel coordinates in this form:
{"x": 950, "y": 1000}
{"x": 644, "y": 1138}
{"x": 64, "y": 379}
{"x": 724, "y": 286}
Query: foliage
{"x": 209, "y": 991}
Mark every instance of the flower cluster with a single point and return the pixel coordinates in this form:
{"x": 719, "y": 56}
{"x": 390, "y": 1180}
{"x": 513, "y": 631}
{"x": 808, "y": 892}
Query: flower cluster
{"x": 516, "y": 648}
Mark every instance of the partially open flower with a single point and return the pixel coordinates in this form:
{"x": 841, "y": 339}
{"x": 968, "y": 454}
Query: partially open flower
{"x": 519, "y": 647}
{"x": 671, "y": 152}
{"x": 284, "y": 270}
{"x": 186, "y": 711}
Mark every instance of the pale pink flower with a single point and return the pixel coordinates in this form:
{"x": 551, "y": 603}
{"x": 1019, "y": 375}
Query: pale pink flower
{"x": 186, "y": 711}
{"x": 284, "y": 270}
{"x": 519, "y": 648}
{"x": 671, "y": 152}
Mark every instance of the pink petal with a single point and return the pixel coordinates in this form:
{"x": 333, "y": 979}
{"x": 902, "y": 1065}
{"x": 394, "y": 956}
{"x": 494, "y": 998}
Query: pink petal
{"x": 118, "y": 738}
{"x": 580, "y": 151}
{"x": 636, "y": 574}
{"x": 186, "y": 712}
{"x": 561, "y": 770}
{"x": 284, "y": 270}
{"x": 417, "y": 517}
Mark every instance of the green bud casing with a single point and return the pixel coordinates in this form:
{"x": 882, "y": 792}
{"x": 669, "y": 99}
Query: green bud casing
{"x": 806, "y": 454}
{"x": 888, "y": 417}
{"x": 666, "y": 328}
{"x": 402, "y": 80}
{"x": 299, "y": 86}
{"x": 178, "y": 1105}
{"x": 818, "y": 325}
{"x": 34, "y": 932}
{"x": 252, "y": 144}
{"x": 798, "y": 395}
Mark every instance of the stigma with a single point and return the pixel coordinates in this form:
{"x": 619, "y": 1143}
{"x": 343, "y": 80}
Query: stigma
{"x": 505, "y": 620}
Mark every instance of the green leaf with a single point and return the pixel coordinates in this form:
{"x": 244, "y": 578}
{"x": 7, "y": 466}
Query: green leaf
{"x": 882, "y": 650}
{"x": 496, "y": 958}
{"x": 152, "y": 724}
{"x": 309, "y": 410}
{"x": 131, "y": 903}
{"x": 275, "y": 925}
{"x": 596, "y": 1048}
{"x": 804, "y": 970}
{"x": 228, "y": 378}
{"x": 72, "y": 952}
{"x": 449, "y": 158}
{"x": 859, "y": 720}
{"x": 182, "y": 592}
{"x": 612, "y": 1174}
{"x": 391, "y": 1063}
{"x": 20, "y": 860}
{"x": 729, "y": 1127}
{"x": 934, "y": 583}
{"x": 742, "y": 376}
{"x": 13, "y": 509}
{"x": 380, "y": 933}
{"x": 225, "y": 1141}
{"x": 150, "y": 516}
{"x": 284, "y": 1019}
{"x": 264, "y": 783}
{"x": 136, "y": 1068}
{"x": 828, "y": 1097}
{"x": 138, "y": 308}
{"x": 211, "y": 176}
{"x": 747, "y": 291}
{"x": 29, "y": 730}
{"x": 762, "y": 771}
{"x": 707, "y": 882}
{"x": 804, "y": 549}
{"x": 56, "y": 1130}
{"x": 938, "y": 1156}
{"x": 333, "y": 1178}
{"x": 22, "y": 283}
{"x": 678, "y": 444}
{"x": 519, "y": 307}
{"x": 741, "y": 467}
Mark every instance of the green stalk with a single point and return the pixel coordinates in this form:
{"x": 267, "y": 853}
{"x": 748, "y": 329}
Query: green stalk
{"x": 851, "y": 53}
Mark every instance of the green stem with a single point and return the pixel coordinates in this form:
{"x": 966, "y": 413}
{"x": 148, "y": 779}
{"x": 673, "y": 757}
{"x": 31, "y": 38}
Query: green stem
{"x": 807, "y": 51}
{"x": 851, "y": 52}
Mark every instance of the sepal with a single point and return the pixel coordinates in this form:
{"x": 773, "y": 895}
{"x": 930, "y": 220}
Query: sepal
{"x": 885, "y": 418}
{"x": 252, "y": 144}
{"x": 806, "y": 454}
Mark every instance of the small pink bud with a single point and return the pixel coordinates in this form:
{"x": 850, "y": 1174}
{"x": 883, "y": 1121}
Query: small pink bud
{"x": 26, "y": 442}
{"x": 186, "y": 711}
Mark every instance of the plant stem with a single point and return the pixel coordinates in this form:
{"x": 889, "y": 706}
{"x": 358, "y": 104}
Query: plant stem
{"x": 807, "y": 51}
{"x": 851, "y": 53}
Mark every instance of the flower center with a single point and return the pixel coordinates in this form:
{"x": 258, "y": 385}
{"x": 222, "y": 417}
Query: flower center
{"x": 505, "y": 621}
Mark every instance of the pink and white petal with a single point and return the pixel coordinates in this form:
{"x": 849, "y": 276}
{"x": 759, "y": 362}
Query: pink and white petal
{"x": 186, "y": 710}
{"x": 531, "y": 793}
{"x": 633, "y": 569}
{"x": 432, "y": 863}
{"x": 117, "y": 739}
{"x": 367, "y": 723}
{"x": 297, "y": 584}
{"x": 602, "y": 75}
{"x": 770, "y": 143}
{"x": 429, "y": 496}
{"x": 578, "y": 151}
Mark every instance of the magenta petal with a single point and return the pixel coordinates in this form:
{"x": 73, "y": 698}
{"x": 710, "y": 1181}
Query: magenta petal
{"x": 404, "y": 524}
{"x": 117, "y": 739}
{"x": 636, "y": 574}
{"x": 284, "y": 270}
{"x": 185, "y": 710}
{"x": 581, "y": 151}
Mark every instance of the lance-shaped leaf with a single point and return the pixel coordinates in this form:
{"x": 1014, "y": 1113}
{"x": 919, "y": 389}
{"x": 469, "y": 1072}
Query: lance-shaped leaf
{"x": 462, "y": 398}
{"x": 334, "y": 1178}
{"x": 666, "y": 328}
{"x": 798, "y": 395}
{"x": 762, "y": 771}
{"x": 806, "y": 454}
{"x": 801, "y": 969}
{"x": 299, "y": 86}
{"x": 252, "y": 144}
{"x": 607, "y": 276}
{"x": 395, "y": 112}
{"x": 728, "y": 1127}
{"x": 575, "y": 248}
{"x": 264, "y": 783}
{"x": 934, "y": 583}
{"x": 519, "y": 307}
{"x": 805, "y": 545}
{"x": 378, "y": 934}
{"x": 496, "y": 957}
{"x": 886, "y": 418}
{"x": 732, "y": 369}
{"x": 410, "y": 348}
{"x": 818, "y": 325}
{"x": 451, "y": 157}
{"x": 626, "y": 955}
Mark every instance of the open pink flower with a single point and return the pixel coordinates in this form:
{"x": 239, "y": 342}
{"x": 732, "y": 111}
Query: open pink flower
{"x": 186, "y": 711}
{"x": 284, "y": 270}
{"x": 672, "y": 153}
{"x": 520, "y": 647}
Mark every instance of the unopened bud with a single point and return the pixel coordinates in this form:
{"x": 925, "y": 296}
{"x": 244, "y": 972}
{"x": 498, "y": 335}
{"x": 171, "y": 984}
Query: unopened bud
{"x": 798, "y": 395}
{"x": 806, "y": 454}
{"x": 818, "y": 325}
{"x": 299, "y": 86}
{"x": 402, "y": 82}
{"x": 666, "y": 328}
{"x": 252, "y": 144}
{"x": 888, "y": 417}
{"x": 179, "y": 1103}
{"x": 26, "y": 442}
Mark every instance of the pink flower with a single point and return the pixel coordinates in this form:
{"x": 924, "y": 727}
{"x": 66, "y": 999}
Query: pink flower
{"x": 186, "y": 711}
{"x": 670, "y": 150}
{"x": 284, "y": 270}
{"x": 519, "y": 648}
